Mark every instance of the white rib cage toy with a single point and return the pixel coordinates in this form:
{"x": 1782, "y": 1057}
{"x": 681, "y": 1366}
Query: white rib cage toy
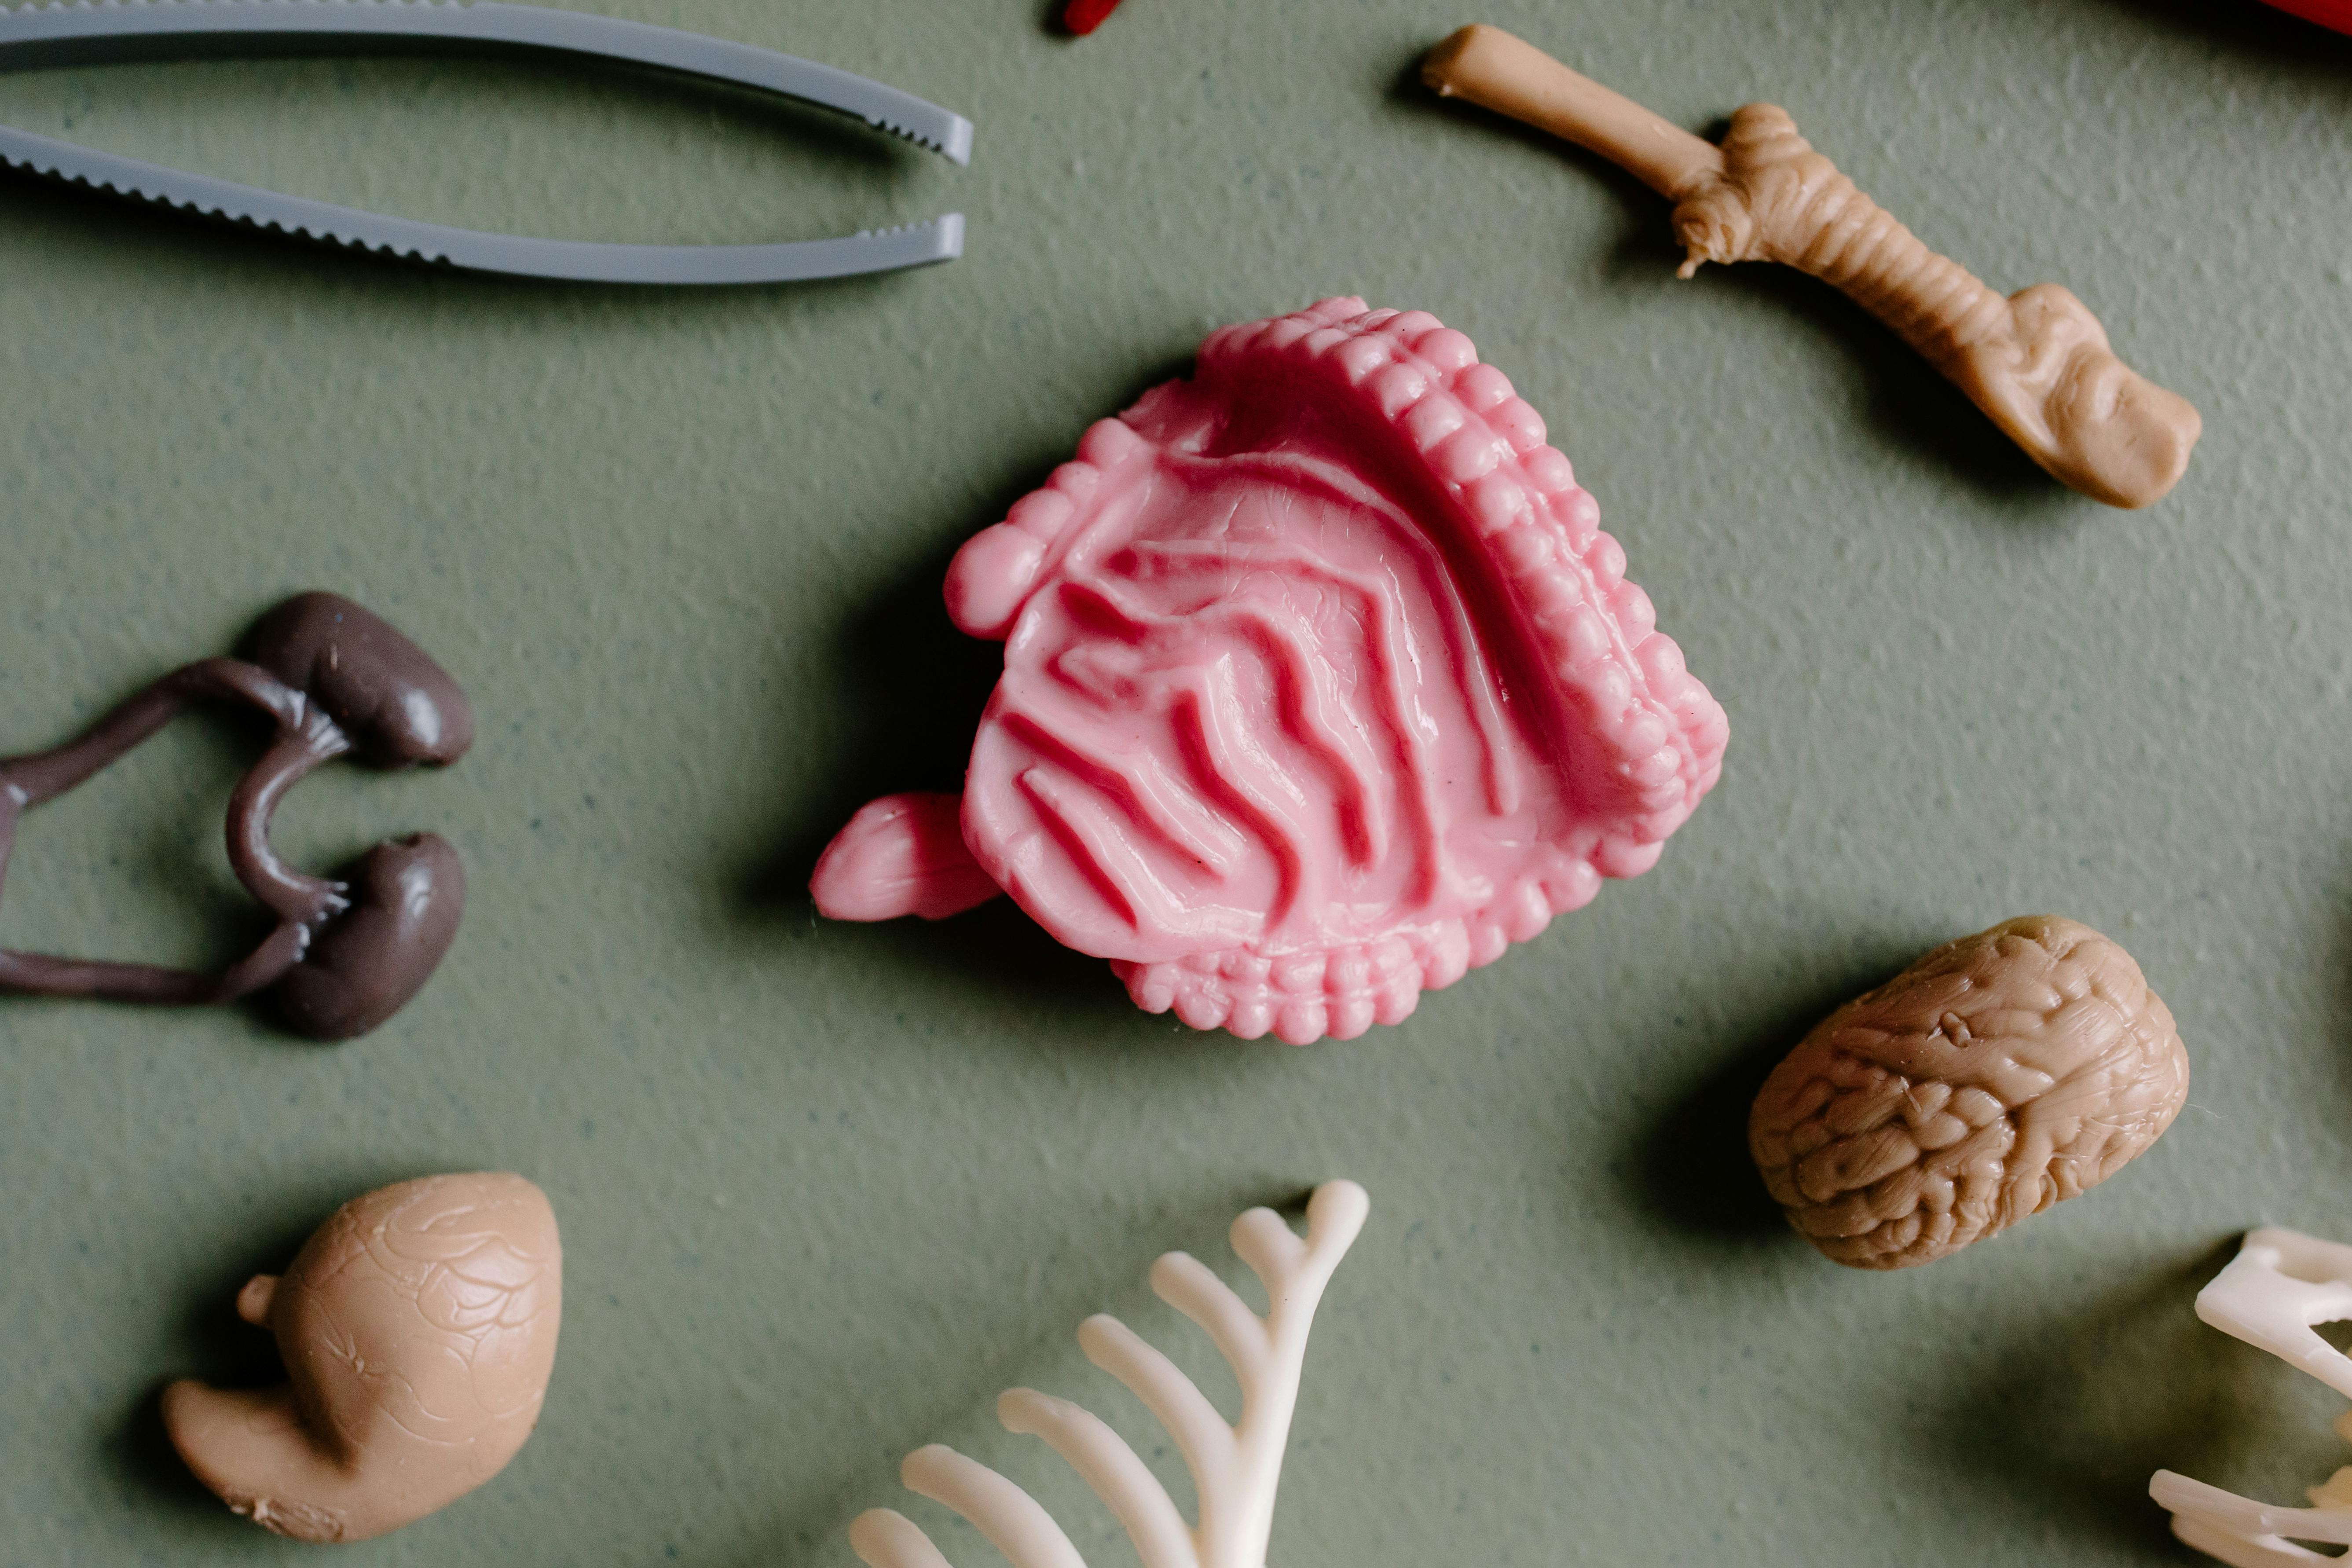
{"x": 1234, "y": 1468}
{"x": 2273, "y": 1294}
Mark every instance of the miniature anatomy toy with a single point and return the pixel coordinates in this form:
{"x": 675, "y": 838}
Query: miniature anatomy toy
{"x": 2274, "y": 1295}
{"x": 347, "y": 953}
{"x": 1993, "y": 1077}
{"x": 1235, "y": 1468}
{"x": 2037, "y": 362}
{"x": 418, "y": 1329}
{"x": 1321, "y": 685}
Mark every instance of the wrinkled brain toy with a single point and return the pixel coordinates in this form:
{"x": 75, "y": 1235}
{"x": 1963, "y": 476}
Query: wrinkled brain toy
{"x": 1321, "y": 686}
{"x": 1999, "y": 1075}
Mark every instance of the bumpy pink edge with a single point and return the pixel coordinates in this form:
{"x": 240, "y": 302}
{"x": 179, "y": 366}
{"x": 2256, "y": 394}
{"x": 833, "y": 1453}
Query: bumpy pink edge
{"x": 1662, "y": 732}
{"x": 900, "y": 854}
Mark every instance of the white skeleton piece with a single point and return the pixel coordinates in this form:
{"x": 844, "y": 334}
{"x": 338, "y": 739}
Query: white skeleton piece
{"x": 1234, "y": 1468}
{"x": 2274, "y": 1293}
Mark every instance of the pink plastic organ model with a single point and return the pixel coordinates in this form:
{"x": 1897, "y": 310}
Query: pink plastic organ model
{"x": 1320, "y": 686}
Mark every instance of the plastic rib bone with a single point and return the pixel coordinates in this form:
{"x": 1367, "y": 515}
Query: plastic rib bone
{"x": 82, "y": 34}
{"x": 2274, "y": 1294}
{"x": 1235, "y": 1469}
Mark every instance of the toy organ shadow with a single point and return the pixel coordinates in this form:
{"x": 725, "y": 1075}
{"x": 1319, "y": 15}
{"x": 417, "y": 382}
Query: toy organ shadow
{"x": 807, "y": 145}
{"x": 921, "y": 683}
{"x": 813, "y": 1528}
{"x": 1688, "y": 1168}
{"x": 1903, "y": 396}
{"x": 2068, "y": 1420}
{"x": 922, "y": 686}
{"x": 925, "y": 683}
{"x": 212, "y": 1343}
{"x": 917, "y": 687}
{"x": 2316, "y": 53}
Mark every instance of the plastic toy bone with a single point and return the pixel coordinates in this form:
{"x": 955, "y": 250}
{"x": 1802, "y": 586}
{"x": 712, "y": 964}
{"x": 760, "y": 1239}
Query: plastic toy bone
{"x": 2273, "y": 1294}
{"x": 2037, "y": 362}
{"x": 346, "y": 954}
{"x": 1234, "y": 1468}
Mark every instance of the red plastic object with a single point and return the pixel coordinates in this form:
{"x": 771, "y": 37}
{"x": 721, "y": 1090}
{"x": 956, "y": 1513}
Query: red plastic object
{"x": 1083, "y": 17}
{"x": 2336, "y": 14}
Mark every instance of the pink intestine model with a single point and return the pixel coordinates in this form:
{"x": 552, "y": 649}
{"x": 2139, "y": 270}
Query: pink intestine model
{"x": 1321, "y": 686}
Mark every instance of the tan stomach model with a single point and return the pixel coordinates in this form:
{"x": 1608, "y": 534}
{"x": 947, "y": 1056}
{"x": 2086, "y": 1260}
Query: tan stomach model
{"x": 2037, "y": 361}
{"x": 418, "y": 1329}
{"x": 1997, "y": 1075}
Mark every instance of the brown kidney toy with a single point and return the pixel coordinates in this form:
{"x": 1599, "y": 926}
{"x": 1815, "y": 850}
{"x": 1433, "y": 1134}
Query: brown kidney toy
{"x": 418, "y": 1329}
{"x": 406, "y": 898}
{"x": 347, "y": 952}
{"x": 1999, "y": 1075}
{"x": 398, "y": 707}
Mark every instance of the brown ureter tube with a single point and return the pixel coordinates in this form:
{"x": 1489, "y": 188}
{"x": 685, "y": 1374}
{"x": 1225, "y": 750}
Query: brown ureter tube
{"x": 2037, "y": 363}
{"x": 41, "y": 776}
{"x": 307, "y": 737}
{"x": 346, "y": 955}
{"x": 41, "y": 975}
{"x": 303, "y": 900}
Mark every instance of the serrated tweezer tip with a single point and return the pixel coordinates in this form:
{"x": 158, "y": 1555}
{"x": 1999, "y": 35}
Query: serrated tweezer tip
{"x": 82, "y": 32}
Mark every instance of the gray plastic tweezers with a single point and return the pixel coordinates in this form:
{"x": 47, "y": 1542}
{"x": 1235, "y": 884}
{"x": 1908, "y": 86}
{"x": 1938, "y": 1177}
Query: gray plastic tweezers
{"x": 87, "y": 34}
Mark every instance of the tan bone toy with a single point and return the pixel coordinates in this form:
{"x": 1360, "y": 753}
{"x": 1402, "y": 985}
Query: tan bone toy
{"x": 2037, "y": 361}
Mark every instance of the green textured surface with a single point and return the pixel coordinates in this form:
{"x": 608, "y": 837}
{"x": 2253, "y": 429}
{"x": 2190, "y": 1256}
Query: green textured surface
{"x": 825, "y": 1190}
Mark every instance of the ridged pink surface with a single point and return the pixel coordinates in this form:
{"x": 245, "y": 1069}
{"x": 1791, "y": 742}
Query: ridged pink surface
{"x": 1321, "y": 685}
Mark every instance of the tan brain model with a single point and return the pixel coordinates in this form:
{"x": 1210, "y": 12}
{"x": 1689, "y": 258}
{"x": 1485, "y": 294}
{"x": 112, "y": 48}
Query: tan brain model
{"x": 1993, "y": 1077}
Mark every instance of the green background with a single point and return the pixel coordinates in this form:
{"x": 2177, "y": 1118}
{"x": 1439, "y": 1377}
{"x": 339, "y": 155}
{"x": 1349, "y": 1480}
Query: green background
{"x": 826, "y": 1189}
